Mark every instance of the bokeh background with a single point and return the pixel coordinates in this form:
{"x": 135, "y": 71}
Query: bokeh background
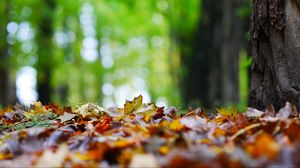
{"x": 173, "y": 52}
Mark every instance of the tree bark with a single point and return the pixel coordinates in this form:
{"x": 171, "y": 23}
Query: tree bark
{"x": 7, "y": 89}
{"x": 275, "y": 38}
{"x": 212, "y": 65}
{"x": 45, "y": 57}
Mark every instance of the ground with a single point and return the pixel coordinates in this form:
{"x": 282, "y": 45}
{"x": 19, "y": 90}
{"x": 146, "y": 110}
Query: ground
{"x": 144, "y": 135}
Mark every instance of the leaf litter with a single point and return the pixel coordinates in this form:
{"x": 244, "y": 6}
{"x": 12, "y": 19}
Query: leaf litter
{"x": 144, "y": 135}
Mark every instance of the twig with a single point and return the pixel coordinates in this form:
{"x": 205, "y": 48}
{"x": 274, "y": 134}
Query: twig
{"x": 242, "y": 131}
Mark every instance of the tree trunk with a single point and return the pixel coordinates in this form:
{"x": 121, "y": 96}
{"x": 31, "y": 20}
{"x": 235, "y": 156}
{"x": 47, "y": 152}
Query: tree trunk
{"x": 275, "y": 38}
{"x": 45, "y": 57}
{"x": 7, "y": 89}
{"x": 212, "y": 66}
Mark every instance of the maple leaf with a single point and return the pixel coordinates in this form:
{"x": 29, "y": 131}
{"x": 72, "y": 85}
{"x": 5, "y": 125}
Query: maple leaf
{"x": 131, "y": 106}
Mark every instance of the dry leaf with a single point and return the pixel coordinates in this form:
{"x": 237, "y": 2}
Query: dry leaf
{"x": 264, "y": 145}
{"x": 131, "y": 106}
{"x": 90, "y": 110}
{"x": 66, "y": 117}
{"x": 53, "y": 159}
{"x": 143, "y": 160}
{"x": 285, "y": 112}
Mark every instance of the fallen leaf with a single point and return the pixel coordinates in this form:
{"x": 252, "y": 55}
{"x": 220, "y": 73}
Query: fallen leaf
{"x": 228, "y": 112}
{"x": 101, "y": 127}
{"x": 253, "y": 113}
{"x": 164, "y": 150}
{"x": 66, "y": 117}
{"x": 90, "y": 110}
{"x": 50, "y": 158}
{"x": 131, "y": 106}
{"x": 285, "y": 112}
{"x": 264, "y": 145}
{"x": 143, "y": 160}
{"x": 39, "y": 108}
{"x": 176, "y": 125}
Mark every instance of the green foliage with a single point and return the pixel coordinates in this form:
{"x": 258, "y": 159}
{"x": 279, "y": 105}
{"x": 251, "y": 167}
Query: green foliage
{"x": 31, "y": 119}
{"x": 244, "y": 11}
{"x": 244, "y": 64}
{"x": 134, "y": 46}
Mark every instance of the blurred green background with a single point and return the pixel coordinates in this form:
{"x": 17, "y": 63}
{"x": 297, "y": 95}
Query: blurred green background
{"x": 173, "y": 52}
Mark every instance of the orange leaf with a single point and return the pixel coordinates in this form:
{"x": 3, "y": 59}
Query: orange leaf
{"x": 219, "y": 132}
{"x": 264, "y": 145}
{"x": 164, "y": 150}
{"x": 103, "y": 126}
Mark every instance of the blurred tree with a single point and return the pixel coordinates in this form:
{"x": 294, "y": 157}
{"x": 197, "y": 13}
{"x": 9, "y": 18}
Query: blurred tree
{"x": 45, "y": 62}
{"x": 275, "y": 37}
{"x": 7, "y": 86}
{"x": 212, "y": 63}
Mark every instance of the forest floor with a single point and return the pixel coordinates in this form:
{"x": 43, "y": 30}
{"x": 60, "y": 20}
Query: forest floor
{"x": 144, "y": 135}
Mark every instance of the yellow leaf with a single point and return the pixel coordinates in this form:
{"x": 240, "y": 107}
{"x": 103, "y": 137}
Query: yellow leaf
{"x": 39, "y": 108}
{"x": 219, "y": 132}
{"x": 4, "y": 156}
{"x": 81, "y": 156}
{"x": 164, "y": 123}
{"x": 147, "y": 117}
{"x": 164, "y": 150}
{"x": 204, "y": 141}
{"x": 176, "y": 125}
{"x": 122, "y": 143}
{"x": 131, "y": 106}
{"x": 225, "y": 112}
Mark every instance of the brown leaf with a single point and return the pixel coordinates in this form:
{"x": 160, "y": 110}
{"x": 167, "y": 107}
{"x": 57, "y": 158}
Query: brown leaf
{"x": 103, "y": 126}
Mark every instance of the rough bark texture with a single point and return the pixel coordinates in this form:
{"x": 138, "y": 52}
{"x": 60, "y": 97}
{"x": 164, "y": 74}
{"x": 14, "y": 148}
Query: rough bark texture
{"x": 213, "y": 66}
{"x": 275, "y": 37}
{"x": 45, "y": 58}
